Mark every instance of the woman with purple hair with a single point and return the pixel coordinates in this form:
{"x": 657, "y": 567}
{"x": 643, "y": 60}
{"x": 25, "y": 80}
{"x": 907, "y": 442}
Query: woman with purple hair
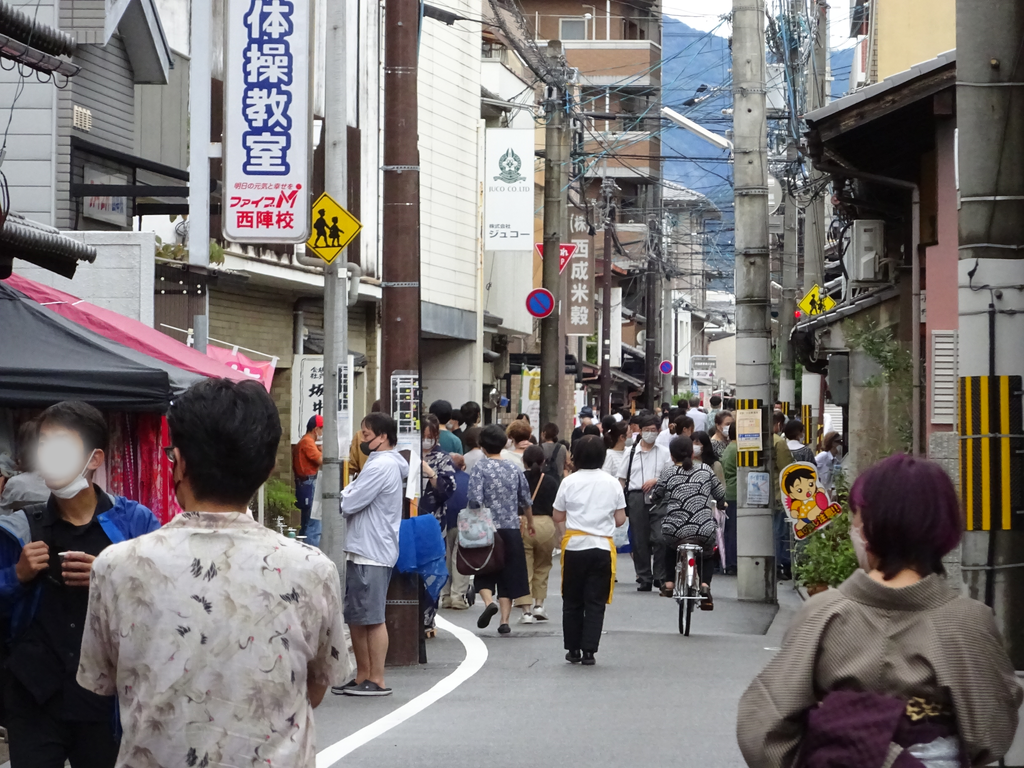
{"x": 894, "y": 667}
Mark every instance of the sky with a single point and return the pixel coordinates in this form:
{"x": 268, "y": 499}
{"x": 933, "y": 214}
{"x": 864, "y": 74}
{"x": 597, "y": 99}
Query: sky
{"x": 705, "y": 15}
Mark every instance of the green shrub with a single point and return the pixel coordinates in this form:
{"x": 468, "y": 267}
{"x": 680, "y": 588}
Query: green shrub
{"x": 279, "y": 503}
{"x": 827, "y": 556}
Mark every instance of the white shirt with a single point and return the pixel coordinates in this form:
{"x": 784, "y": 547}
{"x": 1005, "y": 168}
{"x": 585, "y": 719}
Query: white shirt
{"x": 589, "y": 498}
{"x": 472, "y": 457}
{"x": 646, "y": 465}
{"x": 515, "y": 458}
{"x": 208, "y": 631}
{"x": 664, "y": 439}
{"x": 699, "y": 420}
{"x": 612, "y": 460}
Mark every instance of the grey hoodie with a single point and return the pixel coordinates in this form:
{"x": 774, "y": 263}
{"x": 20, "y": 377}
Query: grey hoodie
{"x": 372, "y": 505}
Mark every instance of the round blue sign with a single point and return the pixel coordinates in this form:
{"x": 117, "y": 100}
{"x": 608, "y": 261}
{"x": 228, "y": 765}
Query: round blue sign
{"x": 665, "y": 367}
{"x": 540, "y": 302}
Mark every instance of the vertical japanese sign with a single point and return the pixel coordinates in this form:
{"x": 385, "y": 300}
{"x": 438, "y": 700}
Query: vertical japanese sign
{"x": 579, "y": 286}
{"x": 307, "y": 392}
{"x": 266, "y": 121}
{"x": 508, "y": 176}
{"x": 529, "y": 397}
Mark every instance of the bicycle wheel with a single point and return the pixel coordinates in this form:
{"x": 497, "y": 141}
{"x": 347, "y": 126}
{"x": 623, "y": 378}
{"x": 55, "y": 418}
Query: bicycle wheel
{"x": 685, "y": 615}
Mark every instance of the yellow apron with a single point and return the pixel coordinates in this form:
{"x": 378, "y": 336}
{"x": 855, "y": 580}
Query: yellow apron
{"x": 611, "y": 543}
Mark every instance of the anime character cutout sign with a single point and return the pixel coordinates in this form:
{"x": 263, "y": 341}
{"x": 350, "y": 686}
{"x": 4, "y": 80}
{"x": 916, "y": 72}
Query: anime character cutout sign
{"x": 805, "y": 500}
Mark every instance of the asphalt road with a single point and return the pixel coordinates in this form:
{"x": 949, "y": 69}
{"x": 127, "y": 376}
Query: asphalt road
{"x": 654, "y": 697}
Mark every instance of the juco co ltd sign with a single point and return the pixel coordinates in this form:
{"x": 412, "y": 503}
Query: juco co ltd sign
{"x": 266, "y": 121}
{"x": 508, "y": 181}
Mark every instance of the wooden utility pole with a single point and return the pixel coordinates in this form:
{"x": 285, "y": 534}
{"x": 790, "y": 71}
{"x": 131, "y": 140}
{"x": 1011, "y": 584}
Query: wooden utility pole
{"x": 400, "y": 241}
{"x": 607, "y": 188}
{"x": 652, "y": 376}
{"x": 755, "y": 540}
{"x": 556, "y": 159}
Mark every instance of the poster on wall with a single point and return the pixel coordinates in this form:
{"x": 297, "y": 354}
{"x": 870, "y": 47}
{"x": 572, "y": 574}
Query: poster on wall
{"x": 529, "y": 398}
{"x": 266, "y": 121}
{"x": 508, "y": 180}
{"x": 308, "y": 397}
{"x": 808, "y": 506}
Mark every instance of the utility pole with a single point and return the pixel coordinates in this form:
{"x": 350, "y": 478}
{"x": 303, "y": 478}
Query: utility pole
{"x": 755, "y": 541}
{"x": 652, "y": 376}
{"x": 201, "y": 46}
{"x": 814, "y": 223}
{"x": 787, "y": 317}
{"x": 990, "y": 116}
{"x": 400, "y": 241}
{"x": 556, "y": 158}
{"x": 607, "y": 188}
{"x": 335, "y": 274}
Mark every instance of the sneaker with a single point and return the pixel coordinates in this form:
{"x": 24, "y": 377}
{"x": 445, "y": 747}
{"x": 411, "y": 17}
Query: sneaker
{"x": 341, "y": 690}
{"x": 645, "y": 586}
{"x": 446, "y": 602}
{"x": 539, "y": 613}
{"x": 459, "y": 604}
{"x": 487, "y": 615}
{"x": 504, "y": 629}
{"x": 588, "y": 659}
{"x": 368, "y": 688}
{"x": 527, "y": 618}
{"x": 574, "y": 657}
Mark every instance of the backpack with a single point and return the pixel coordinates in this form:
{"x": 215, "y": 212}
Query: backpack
{"x": 551, "y": 462}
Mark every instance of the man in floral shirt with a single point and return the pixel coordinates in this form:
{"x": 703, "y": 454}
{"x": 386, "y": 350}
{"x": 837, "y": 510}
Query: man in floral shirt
{"x": 218, "y": 635}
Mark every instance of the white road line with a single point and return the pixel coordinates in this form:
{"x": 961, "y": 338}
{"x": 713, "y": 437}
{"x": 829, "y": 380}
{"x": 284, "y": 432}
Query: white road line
{"x": 476, "y": 655}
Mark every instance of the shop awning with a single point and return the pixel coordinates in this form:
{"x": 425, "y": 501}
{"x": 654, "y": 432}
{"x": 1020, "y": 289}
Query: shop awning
{"x": 124, "y": 330}
{"x": 45, "y": 359}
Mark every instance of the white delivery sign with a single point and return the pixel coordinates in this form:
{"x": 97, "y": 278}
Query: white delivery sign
{"x": 266, "y": 121}
{"x": 508, "y": 177}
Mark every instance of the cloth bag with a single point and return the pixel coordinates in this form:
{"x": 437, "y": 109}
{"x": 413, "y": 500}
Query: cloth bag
{"x": 476, "y": 528}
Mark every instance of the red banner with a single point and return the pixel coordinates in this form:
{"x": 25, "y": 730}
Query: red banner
{"x": 261, "y": 372}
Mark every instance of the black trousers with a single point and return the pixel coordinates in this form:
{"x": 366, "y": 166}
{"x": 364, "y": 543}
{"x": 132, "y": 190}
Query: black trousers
{"x": 705, "y": 566}
{"x": 40, "y": 738}
{"x": 586, "y": 581}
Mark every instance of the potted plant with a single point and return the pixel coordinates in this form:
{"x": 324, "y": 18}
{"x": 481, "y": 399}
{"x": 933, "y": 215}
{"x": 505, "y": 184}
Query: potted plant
{"x": 279, "y": 503}
{"x": 827, "y": 558}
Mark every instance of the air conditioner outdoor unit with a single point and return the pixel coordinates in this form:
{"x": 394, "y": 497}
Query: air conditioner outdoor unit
{"x": 867, "y": 250}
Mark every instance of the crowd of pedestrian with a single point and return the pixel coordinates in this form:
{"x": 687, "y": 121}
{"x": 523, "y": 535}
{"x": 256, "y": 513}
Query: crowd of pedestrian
{"x": 216, "y": 619}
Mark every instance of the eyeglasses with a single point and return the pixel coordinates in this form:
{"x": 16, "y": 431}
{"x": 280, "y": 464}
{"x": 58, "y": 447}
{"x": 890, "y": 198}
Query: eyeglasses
{"x": 169, "y": 453}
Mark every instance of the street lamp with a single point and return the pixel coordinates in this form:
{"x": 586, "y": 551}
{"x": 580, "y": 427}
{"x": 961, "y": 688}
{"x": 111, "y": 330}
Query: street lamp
{"x": 697, "y": 130}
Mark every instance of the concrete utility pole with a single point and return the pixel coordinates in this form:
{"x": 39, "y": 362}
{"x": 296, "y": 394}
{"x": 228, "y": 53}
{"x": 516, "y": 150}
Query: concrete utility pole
{"x": 755, "y": 542}
{"x": 335, "y": 274}
{"x": 787, "y": 319}
{"x": 652, "y": 377}
{"x": 607, "y": 190}
{"x": 990, "y": 121}
{"x": 400, "y": 316}
{"x": 201, "y": 51}
{"x": 814, "y": 226}
{"x": 556, "y": 159}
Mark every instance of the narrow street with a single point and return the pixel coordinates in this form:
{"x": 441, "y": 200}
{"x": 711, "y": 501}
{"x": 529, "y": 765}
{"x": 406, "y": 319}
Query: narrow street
{"x": 526, "y": 704}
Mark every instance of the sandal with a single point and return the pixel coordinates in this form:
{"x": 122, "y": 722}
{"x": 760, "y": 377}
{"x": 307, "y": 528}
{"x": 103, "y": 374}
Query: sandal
{"x": 707, "y": 603}
{"x": 667, "y": 591}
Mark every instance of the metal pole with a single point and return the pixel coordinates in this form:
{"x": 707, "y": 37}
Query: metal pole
{"x": 552, "y": 344}
{"x": 755, "y": 541}
{"x": 990, "y": 122}
{"x": 787, "y": 318}
{"x": 652, "y": 377}
{"x": 200, "y": 332}
{"x": 335, "y": 293}
{"x": 201, "y": 45}
{"x": 400, "y": 241}
{"x": 607, "y": 185}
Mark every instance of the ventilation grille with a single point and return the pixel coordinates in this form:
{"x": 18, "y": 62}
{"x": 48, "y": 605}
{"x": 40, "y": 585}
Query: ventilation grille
{"x": 944, "y": 377}
{"x": 82, "y": 119}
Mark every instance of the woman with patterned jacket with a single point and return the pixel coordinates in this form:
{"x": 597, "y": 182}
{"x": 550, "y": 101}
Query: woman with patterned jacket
{"x": 690, "y": 489}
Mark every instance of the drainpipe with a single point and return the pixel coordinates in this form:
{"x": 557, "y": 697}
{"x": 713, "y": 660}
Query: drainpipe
{"x": 915, "y": 279}
{"x": 354, "y": 273}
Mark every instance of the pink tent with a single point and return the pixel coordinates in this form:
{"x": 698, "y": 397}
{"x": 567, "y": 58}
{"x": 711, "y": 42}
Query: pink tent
{"x": 124, "y": 330}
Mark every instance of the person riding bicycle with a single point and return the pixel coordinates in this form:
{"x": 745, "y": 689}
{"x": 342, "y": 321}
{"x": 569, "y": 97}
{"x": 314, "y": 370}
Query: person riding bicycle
{"x": 688, "y": 490}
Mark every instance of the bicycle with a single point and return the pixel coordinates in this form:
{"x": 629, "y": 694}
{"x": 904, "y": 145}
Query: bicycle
{"x": 687, "y": 585}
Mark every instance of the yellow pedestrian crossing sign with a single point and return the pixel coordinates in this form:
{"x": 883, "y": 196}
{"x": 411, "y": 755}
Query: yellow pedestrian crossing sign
{"x": 333, "y": 228}
{"x": 815, "y": 302}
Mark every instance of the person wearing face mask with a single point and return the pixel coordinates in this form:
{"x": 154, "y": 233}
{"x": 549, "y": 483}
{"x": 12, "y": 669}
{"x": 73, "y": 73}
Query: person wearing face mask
{"x": 638, "y": 473}
{"x": 216, "y": 632}
{"x": 372, "y": 506}
{"x": 438, "y": 474}
{"x": 830, "y": 461}
{"x": 307, "y": 458}
{"x": 894, "y": 666}
{"x": 46, "y": 557}
{"x": 442, "y": 409}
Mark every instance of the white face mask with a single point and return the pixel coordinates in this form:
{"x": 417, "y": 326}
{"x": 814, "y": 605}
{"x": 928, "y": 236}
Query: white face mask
{"x": 697, "y": 450}
{"x": 428, "y": 443}
{"x": 860, "y": 547}
{"x": 55, "y": 459}
{"x": 649, "y": 437}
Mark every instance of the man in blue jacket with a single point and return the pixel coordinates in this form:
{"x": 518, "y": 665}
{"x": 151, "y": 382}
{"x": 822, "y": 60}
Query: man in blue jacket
{"x": 46, "y": 554}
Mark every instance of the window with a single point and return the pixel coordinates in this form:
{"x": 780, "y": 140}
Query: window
{"x": 944, "y": 377}
{"x": 573, "y": 29}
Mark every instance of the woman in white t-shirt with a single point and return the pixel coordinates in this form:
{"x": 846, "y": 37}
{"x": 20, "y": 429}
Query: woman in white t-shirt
{"x": 591, "y": 504}
{"x": 519, "y": 440}
{"x": 615, "y": 445}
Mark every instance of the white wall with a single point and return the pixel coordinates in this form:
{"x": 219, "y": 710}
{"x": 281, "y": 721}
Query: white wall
{"x": 31, "y": 142}
{"x": 121, "y": 278}
{"x": 444, "y": 365}
{"x": 724, "y": 351}
{"x": 449, "y": 128}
